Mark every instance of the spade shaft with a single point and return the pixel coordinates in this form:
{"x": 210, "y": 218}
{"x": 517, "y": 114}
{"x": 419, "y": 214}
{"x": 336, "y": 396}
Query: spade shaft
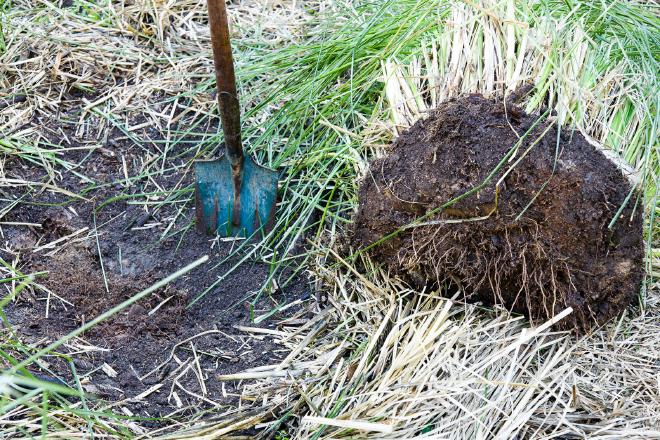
{"x": 230, "y": 113}
{"x": 234, "y": 195}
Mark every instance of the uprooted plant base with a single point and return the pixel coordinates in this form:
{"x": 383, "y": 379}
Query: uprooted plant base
{"x": 537, "y": 243}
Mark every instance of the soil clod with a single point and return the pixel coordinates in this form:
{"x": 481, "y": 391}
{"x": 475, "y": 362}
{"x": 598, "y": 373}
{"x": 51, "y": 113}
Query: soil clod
{"x": 537, "y": 243}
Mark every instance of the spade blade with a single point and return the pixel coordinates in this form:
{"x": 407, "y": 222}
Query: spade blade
{"x": 214, "y": 198}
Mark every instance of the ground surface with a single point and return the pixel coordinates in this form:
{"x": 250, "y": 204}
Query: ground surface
{"x": 90, "y": 256}
{"x": 129, "y": 85}
{"x": 538, "y": 243}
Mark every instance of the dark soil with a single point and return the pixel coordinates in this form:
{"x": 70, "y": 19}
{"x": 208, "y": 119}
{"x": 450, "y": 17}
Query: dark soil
{"x": 537, "y": 245}
{"x": 133, "y": 256}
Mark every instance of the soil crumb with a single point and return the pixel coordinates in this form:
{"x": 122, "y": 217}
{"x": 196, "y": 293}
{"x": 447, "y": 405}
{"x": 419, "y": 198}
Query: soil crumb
{"x": 537, "y": 243}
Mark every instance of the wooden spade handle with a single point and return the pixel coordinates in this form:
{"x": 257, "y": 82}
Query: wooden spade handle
{"x": 225, "y": 79}
{"x": 230, "y": 112}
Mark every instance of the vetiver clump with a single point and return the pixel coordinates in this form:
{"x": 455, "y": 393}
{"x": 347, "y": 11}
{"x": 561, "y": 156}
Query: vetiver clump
{"x": 537, "y": 243}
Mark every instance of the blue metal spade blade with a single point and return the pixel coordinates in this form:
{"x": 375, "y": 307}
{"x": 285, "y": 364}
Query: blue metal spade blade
{"x": 214, "y": 195}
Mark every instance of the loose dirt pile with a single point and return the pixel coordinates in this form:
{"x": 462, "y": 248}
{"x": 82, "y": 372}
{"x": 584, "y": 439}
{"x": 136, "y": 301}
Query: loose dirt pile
{"x": 537, "y": 243}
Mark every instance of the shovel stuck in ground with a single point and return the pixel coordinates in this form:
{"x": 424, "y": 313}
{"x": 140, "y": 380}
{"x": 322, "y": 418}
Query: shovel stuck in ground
{"x": 234, "y": 196}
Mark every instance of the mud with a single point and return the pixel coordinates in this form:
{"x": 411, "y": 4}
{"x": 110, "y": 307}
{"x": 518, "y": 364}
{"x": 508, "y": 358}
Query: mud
{"x": 536, "y": 244}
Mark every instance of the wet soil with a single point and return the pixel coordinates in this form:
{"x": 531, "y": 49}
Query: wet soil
{"x": 103, "y": 250}
{"x": 536, "y": 244}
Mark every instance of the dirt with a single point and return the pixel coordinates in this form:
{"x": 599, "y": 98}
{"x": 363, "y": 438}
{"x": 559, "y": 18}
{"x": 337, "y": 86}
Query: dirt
{"x": 108, "y": 252}
{"x": 537, "y": 244}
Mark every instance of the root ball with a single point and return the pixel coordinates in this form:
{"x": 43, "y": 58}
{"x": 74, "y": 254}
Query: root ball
{"x": 536, "y": 243}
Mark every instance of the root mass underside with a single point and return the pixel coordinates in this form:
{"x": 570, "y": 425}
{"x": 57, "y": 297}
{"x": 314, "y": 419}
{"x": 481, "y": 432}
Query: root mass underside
{"x": 558, "y": 253}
